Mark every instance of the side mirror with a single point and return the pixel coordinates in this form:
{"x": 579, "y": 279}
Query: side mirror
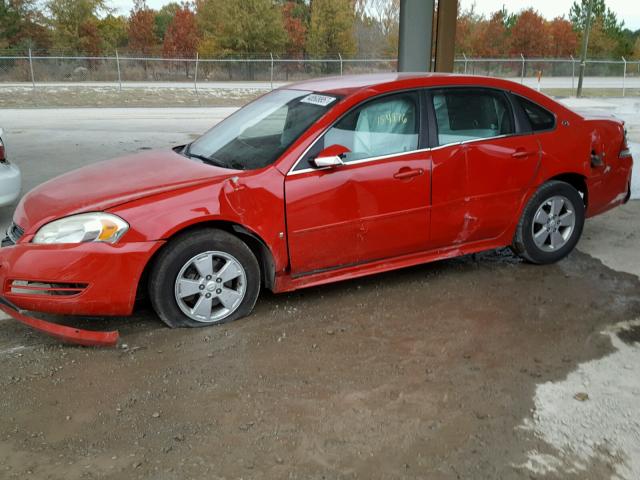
{"x": 331, "y": 161}
{"x": 330, "y": 157}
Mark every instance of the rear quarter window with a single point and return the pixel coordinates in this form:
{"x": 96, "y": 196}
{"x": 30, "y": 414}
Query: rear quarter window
{"x": 539, "y": 117}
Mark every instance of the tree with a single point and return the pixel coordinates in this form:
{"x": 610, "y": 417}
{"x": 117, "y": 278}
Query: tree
{"x": 331, "y": 28}
{"x": 163, "y": 19}
{"x": 607, "y": 18}
{"x": 491, "y": 36}
{"x": 90, "y": 42}
{"x": 242, "y": 27}
{"x": 72, "y": 20}
{"x": 22, "y": 25}
{"x": 529, "y": 34}
{"x": 563, "y": 40}
{"x": 636, "y": 49}
{"x": 113, "y": 32}
{"x": 601, "y": 44}
{"x": 181, "y": 39}
{"x": 142, "y": 39}
{"x": 294, "y": 18}
{"x": 466, "y": 26}
{"x": 376, "y": 27}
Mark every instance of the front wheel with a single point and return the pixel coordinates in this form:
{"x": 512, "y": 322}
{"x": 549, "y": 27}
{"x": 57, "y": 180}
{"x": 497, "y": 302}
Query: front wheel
{"x": 551, "y": 223}
{"x": 203, "y": 278}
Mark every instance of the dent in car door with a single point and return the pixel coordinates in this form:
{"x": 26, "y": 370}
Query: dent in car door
{"x": 374, "y": 206}
{"x": 478, "y": 183}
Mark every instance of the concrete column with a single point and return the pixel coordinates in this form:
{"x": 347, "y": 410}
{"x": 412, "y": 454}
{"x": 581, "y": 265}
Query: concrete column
{"x": 414, "y": 45}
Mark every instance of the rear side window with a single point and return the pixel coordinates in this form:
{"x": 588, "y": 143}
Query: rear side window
{"x": 539, "y": 117}
{"x": 471, "y": 114}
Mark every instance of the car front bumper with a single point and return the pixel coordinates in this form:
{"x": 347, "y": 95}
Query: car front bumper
{"x": 95, "y": 279}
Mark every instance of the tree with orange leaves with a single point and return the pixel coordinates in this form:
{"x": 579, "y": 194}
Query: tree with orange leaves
{"x": 181, "y": 38}
{"x": 142, "y": 38}
{"x": 563, "y": 39}
{"x": 491, "y": 36}
{"x": 293, "y": 16}
{"x": 529, "y": 34}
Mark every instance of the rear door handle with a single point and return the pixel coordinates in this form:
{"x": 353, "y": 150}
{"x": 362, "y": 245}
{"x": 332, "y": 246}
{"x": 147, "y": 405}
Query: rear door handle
{"x": 405, "y": 173}
{"x": 522, "y": 153}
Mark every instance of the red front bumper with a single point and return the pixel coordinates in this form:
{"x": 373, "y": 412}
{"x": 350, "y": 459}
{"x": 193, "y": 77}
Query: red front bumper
{"x": 106, "y": 276}
{"x": 66, "y": 334}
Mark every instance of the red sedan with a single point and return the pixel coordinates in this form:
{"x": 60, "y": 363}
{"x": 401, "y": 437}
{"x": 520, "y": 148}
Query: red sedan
{"x": 316, "y": 182}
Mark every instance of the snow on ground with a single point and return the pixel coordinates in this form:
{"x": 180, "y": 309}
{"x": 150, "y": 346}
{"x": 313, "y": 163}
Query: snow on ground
{"x": 605, "y": 425}
{"x": 635, "y": 178}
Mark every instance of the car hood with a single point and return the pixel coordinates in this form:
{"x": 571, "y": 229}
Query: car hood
{"x": 113, "y": 182}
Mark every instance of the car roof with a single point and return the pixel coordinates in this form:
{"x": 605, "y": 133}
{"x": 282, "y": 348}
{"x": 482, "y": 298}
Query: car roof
{"x": 349, "y": 84}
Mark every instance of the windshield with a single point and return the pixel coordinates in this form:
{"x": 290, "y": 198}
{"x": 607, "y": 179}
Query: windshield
{"x": 256, "y": 135}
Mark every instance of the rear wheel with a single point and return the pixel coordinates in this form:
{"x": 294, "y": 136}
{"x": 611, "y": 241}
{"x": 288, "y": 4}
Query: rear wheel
{"x": 551, "y": 223}
{"x": 203, "y": 278}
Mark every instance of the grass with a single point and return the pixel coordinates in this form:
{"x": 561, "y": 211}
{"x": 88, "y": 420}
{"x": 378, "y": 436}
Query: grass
{"x": 53, "y": 97}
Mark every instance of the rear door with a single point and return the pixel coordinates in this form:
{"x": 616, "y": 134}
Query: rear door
{"x": 376, "y": 205}
{"x": 482, "y": 164}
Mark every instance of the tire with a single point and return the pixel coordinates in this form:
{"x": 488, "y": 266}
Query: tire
{"x": 189, "y": 269}
{"x": 543, "y": 235}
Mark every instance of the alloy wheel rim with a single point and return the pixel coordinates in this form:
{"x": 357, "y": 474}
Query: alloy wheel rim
{"x": 210, "y": 286}
{"x": 553, "y": 223}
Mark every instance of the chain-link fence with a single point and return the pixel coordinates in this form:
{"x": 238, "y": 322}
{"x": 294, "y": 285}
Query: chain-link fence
{"x": 129, "y": 71}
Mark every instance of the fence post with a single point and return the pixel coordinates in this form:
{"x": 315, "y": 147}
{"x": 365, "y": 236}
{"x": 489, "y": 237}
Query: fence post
{"x": 465, "y": 63}
{"x": 33, "y": 79}
{"x": 340, "y": 57}
{"x": 195, "y": 74}
{"x": 573, "y": 74}
{"x": 522, "y": 73}
{"x": 119, "y": 77}
{"x": 624, "y": 74}
{"x": 271, "y": 55}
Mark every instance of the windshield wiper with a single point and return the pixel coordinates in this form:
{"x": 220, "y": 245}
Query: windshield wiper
{"x": 209, "y": 160}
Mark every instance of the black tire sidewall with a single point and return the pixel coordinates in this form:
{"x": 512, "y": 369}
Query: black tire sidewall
{"x": 525, "y": 243}
{"x": 178, "y": 252}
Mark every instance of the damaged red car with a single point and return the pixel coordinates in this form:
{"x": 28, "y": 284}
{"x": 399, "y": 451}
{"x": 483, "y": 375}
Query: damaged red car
{"x": 316, "y": 182}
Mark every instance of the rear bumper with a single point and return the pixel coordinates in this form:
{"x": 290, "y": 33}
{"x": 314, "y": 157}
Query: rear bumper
{"x": 75, "y": 279}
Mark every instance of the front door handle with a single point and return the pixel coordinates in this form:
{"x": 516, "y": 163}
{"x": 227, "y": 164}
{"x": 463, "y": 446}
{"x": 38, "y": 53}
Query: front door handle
{"x": 522, "y": 153}
{"x": 405, "y": 173}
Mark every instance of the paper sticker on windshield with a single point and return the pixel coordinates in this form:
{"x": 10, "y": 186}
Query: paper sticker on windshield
{"x": 320, "y": 100}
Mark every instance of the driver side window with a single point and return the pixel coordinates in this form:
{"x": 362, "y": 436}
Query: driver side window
{"x": 380, "y": 127}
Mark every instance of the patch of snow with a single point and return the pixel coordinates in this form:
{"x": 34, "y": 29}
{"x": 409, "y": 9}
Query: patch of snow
{"x": 635, "y": 177}
{"x": 605, "y": 426}
{"x": 11, "y": 350}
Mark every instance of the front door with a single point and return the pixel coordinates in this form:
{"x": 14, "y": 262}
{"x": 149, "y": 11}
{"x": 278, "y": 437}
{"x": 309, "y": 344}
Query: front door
{"x": 376, "y": 205}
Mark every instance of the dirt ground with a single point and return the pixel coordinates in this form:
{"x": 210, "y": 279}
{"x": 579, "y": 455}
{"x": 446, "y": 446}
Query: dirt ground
{"x": 429, "y": 372}
{"x": 421, "y": 373}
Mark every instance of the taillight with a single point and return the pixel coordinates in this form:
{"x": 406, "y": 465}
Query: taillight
{"x": 624, "y": 151}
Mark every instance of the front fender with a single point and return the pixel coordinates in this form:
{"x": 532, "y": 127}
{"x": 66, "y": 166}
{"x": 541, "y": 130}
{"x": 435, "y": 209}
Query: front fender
{"x": 253, "y": 201}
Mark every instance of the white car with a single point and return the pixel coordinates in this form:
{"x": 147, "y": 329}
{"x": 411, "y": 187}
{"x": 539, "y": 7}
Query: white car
{"x": 10, "y": 178}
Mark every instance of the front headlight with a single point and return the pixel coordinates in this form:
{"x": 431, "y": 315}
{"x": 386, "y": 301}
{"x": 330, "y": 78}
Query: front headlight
{"x": 85, "y": 227}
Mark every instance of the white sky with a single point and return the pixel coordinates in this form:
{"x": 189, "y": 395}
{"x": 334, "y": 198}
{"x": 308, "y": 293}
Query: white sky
{"x": 627, "y": 10}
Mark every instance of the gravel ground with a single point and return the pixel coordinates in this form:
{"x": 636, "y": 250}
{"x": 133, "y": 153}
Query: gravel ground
{"x": 478, "y": 367}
